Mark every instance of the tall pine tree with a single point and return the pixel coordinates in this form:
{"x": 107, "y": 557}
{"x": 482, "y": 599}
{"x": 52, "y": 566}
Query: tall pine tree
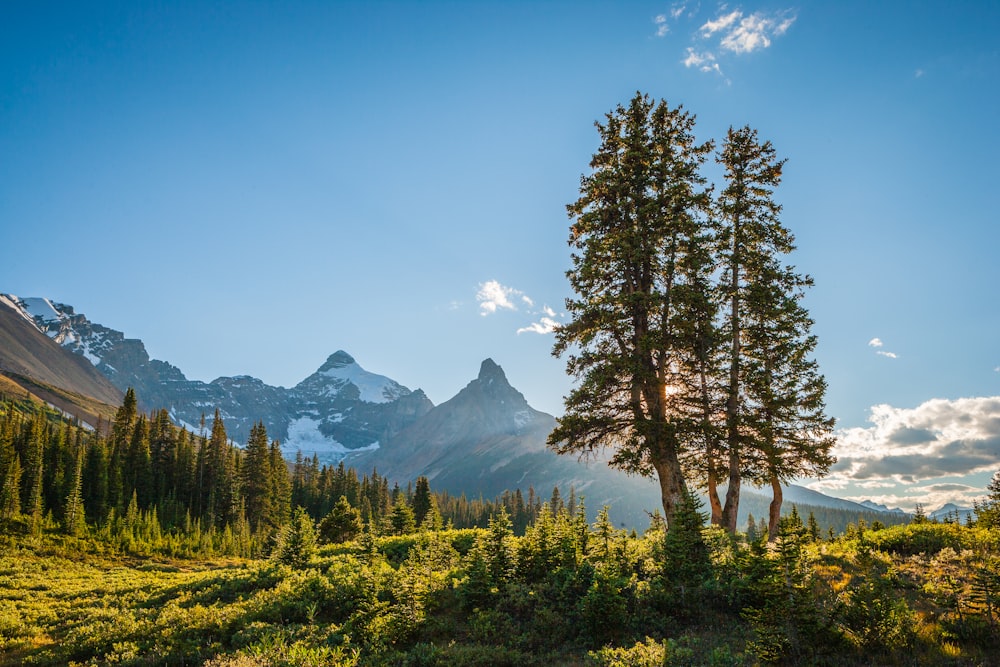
{"x": 635, "y": 228}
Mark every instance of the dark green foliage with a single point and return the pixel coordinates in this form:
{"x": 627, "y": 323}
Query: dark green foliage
{"x": 688, "y": 336}
{"x": 295, "y": 544}
{"x": 343, "y": 523}
{"x": 686, "y": 564}
{"x": 876, "y": 617}
{"x": 402, "y": 521}
{"x": 423, "y": 502}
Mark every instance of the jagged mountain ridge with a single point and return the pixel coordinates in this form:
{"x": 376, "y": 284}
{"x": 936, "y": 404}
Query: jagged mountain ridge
{"x": 485, "y": 440}
{"x": 339, "y": 408}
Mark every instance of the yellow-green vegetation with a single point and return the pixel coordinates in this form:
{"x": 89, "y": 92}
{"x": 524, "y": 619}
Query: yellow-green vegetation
{"x": 566, "y": 593}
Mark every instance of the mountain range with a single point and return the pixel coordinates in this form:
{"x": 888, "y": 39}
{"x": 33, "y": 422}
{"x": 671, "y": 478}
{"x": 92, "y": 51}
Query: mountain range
{"x": 484, "y": 440}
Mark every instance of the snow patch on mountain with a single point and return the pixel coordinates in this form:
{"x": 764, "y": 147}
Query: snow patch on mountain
{"x": 41, "y": 309}
{"x": 304, "y": 436}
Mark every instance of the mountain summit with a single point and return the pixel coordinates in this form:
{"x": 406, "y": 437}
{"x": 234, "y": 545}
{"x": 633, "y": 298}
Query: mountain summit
{"x": 487, "y": 438}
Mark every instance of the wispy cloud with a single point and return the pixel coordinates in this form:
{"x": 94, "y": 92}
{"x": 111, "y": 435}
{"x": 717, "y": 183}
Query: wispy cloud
{"x": 730, "y": 31}
{"x": 662, "y": 27}
{"x": 663, "y": 21}
{"x": 704, "y": 61}
{"x": 721, "y": 23}
{"x": 492, "y": 296}
{"x": 746, "y": 34}
{"x": 545, "y": 325}
{"x": 877, "y": 343}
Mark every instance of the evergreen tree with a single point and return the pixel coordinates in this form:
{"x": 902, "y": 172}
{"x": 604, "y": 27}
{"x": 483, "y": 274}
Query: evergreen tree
{"x": 217, "y": 476}
{"x": 988, "y": 511}
{"x": 635, "y": 231}
{"x": 256, "y": 479}
{"x": 296, "y": 542}
{"x": 402, "y": 520}
{"x": 137, "y": 475}
{"x": 121, "y": 436}
{"x": 163, "y": 454}
{"x": 33, "y": 472}
{"x": 686, "y": 563}
{"x": 75, "y": 520}
{"x": 422, "y": 500}
{"x": 95, "y": 480}
{"x": 10, "y": 491}
{"x": 342, "y": 524}
{"x": 281, "y": 486}
{"x": 774, "y": 425}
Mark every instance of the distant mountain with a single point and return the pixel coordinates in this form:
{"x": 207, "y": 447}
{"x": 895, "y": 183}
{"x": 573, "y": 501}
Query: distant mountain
{"x": 339, "y": 408}
{"x": 880, "y": 508}
{"x": 794, "y": 494}
{"x": 951, "y": 511}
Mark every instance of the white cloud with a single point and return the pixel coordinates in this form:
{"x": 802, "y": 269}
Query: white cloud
{"x": 755, "y": 32}
{"x": 492, "y": 296}
{"x": 544, "y": 326}
{"x": 919, "y": 73}
{"x": 731, "y": 31}
{"x": 939, "y": 438}
{"x": 551, "y": 313}
{"x": 677, "y": 10}
{"x": 704, "y": 61}
{"x": 877, "y": 343}
{"x": 721, "y": 23}
{"x": 662, "y": 28}
{"x": 527, "y": 300}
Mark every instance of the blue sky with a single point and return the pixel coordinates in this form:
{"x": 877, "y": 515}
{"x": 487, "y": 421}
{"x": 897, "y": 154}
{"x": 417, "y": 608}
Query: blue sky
{"x": 250, "y": 187}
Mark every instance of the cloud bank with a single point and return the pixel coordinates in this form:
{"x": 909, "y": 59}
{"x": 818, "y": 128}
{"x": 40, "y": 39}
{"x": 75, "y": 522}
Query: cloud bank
{"x": 938, "y": 439}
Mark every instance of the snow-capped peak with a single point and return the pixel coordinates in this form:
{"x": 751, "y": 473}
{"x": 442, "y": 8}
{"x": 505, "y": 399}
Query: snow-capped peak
{"x": 40, "y": 312}
{"x": 372, "y": 388}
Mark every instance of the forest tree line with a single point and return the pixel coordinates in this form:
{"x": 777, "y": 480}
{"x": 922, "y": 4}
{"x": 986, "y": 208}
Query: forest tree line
{"x": 144, "y": 475}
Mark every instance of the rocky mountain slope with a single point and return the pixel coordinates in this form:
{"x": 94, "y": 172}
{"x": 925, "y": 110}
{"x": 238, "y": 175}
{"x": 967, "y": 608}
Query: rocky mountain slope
{"x": 488, "y": 438}
{"x": 38, "y": 365}
{"x": 339, "y": 408}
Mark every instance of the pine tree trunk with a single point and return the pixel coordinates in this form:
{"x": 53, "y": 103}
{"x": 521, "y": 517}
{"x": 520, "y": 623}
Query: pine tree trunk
{"x": 774, "y": 515}
{"x": 672, "y": 486}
